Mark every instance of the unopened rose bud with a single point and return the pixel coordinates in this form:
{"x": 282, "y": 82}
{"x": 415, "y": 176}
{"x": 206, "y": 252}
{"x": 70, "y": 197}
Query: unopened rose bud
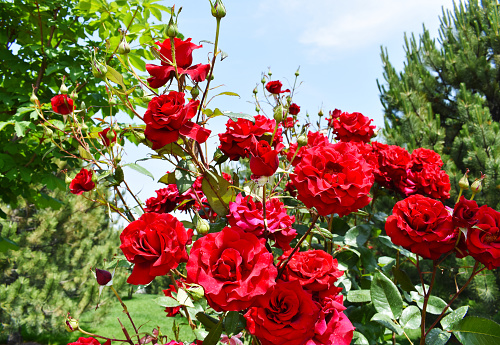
{"x": 83, "y": 107}
{"x": 34, "y": 98}
{"x": 99, "y": 70}
{"x": 320, "y": 113}
{"x": 110, "y": 135}
{"x": 48, "y": 132}
{"x": 202, "y": 226}
{"x": 103, "y": 277}
{"x": 118, "y": 158}
{"x": 269, "y": 73}
{"x": 255, "y": 91}
{"x": 172, "y": 30}
{"x": 257, "y": 109}
{"x": 476, "y": 186}
{"x": 218, "y": 9}
{"x": 124, "y": 47}
{"x": 195, "y": 92}
{"x": 67, "y": 179}
{"x": 263, "y": 80}
{"x": 278, "y": 113}
{"x": 84, "y": 127}
{"x": 297, "y": 72}
{"x": 71, "y": 324}
{"x": 464, "y": 181}
{"x": 302, "y": 140}
{"x": 119, "y": 177}
{"x": 63, "y": 89}
{"x": 112, "y": 101}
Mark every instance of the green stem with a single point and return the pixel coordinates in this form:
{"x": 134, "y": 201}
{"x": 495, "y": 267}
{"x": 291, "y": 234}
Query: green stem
{"x": 125, "y": 310}
{"x": 426, "y": 301}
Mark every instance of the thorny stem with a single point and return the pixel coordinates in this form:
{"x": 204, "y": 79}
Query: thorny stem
{"x": 125, "y": 310}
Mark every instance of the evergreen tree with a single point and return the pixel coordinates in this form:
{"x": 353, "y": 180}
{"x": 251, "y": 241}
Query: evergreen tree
{"x": 50, "y": 274}
{"x": 447, "y": 98}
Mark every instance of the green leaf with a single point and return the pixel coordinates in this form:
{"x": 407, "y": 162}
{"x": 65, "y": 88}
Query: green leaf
{"x": 386, "y": 321}
{"x": 167, "y": 179}
{"x": 477, "y": 331}
{"x": 3, "y": 124}
{"x": 236, "y": 116}
{"x": 207, "y": 321}
{"x": 6, "y": 244}
{"x": 183, "y": 176}
{"x": 137, "y": 62}
{"x": 214, "y": 335}
{"x": 228, "y": 93}
{"x": 359, "y": 339}
{"x": 410, "y": 318}
{"x": 232, "y": 323}
{"x": 115, "y": 76}
{"x": 435, "y": 305}
{"x": 385, "y": 296}
{"x": 20, "y": 127}
{"x": 140, "y": 169}
{"x": 166, "y": 301}
{"x": 183, "y": 298}
{"x": 217, "y": 191}
{"x": 453, "y": 317}
{"x": 358, "y": 235}
{"x": 172, "y": 149}
{"x": 359, "y": 296}
{"x": 403, "y": 279}
{"x": 347, "y": 258}
{"x": 437, "y": 337}
{"x": 84, "y": 153}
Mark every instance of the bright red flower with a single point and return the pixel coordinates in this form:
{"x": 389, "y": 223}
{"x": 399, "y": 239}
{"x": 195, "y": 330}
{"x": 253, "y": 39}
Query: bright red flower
{"x": 167, "y": 117}
{"x": 86, "y": 341}
{"x": 290, "y": 122}
{"x": 464, "y": 213}
{"x": 104, "y": 136}
{"x": 275, "y": 86}
{"x": 166, "y": 200}
{"x": 294, "y": 109}
{"x": 334, "y": 178}
{"x": 234, "y": 268}
{"x": 62, "y": 104}
{"x": 264, "y": 160}
{"x": 390, "y": 171}
{"x": 483, "y": 239}
{"x": 351, "y": 126}
{"x": 248, "y": 215}
{"x": 160, "y": 75}
{"x": 313, "y": 139}
{"x": 155, "y": 243}
{"x": 423, "y": 226}
{"x": 242, "y": 135}
{"x": 82, "y": 182}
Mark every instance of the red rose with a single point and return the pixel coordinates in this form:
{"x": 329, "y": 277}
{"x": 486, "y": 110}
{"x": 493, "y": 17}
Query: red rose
{"x": 88, "y": 341}
{"x": 167, "y": 117}
{"x": 155, "y": 243}
{"x": 294, "y": 109}
{"x": 242, "y": 135}
{"x": 274, "y": 87}
{"x": 391, "y": 168}
{"x": 483, "y": 239}
{"x": 290, "y": 122}
{"x": 104, "y": 137}
{"x": 160, "y": 75}
{"x": 315, "y": 270}
{"x": 334, "y": 178}
{"x": 422, "y": 225}
{"x": 248, "y": 215}
{"x": 351, "y": 126}
{"x": 313, "y": 139}
{"x": 264, "y": 160}
{"x": 82, "y": 182}
{"x": 285, "y": 315}
{"x": 233, "y": 266}
{"x": 62, "y": 104}
{"x": 464, "y": 213}
{"x": 172, "y": 311}
{"x": 166, "y": 200}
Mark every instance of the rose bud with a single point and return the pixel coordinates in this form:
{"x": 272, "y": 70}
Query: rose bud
{"x": 124, "y": 47}
{"x": 202, "y": 226}
{"x": 264, "y": 161}
{"x": 464, "y": 181}
{"x": 172, "y": 30}
{"x": 218, "y": 9}
{"x": 99, "y": 70}
{"x": 195, "y": 92}
{"x": 103, "y": 277}
{"x": 278, "y": 113}
{"x": 71, "y": 324}
{"x": 63, "y": 89}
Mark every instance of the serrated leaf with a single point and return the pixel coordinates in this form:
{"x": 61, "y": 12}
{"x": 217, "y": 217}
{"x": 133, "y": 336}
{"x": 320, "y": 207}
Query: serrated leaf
{"x": 410, "y": 318}
{"x": 115, "y": 76}
{"x": 172, "y": 149}
{"x": 166, "y": 301}
{"x": 385, "y": 296}
{"x": 20, "y": 127}
{"x": 403, "y": 279}
{"x": 84, "y": 153}
{"x": 236, "y": 116}
{"x": 477, "y": 331}
{"x": 139, "y": 169}
{"x": 437, "y": 337}
{"x": 453, "y": 317}
{"x": 359, "y": 296}
{"x": 386, "y": 321}
{"x": 358, "y": 235}
{"x": 217, "y": 191}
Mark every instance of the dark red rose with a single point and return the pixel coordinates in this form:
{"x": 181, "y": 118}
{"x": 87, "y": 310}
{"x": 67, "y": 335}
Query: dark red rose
{"x": 166, "y": 200}
{"x": 483, "y": 239}
{"x": 264, "y": 160}
{"x": 391, "y": 168}
{"x": 103, "y": 277}
{"x": 82, "y": 182}
{"x": 422, "y": 225}
{"x": 464, "y": 213}
{"x": 160, "y": 75}
{"x": 248, "y": 215}
{"x": 233, "y": 266}
{"x": 294, "y": 109}
{"x": 285, "y": 315}
{"x": 351, "y": 126}
{"x": 290, "y": 122}
{"x": 86, "y": 341}
{"x": 155, "y": 243}
{"x": 275, "y": 86}
{"x": 242, "y": 135}
{"x": 167, "y": 117}
{"x": 62, "y": 104}
{"x": 104, "y": 137}
{"x": 313, "y": 139}
{"x": 315, "y": 270}
{"x": 334, "y": 178}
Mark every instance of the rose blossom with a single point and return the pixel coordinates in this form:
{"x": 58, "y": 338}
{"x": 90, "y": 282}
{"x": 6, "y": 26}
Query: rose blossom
{"x": 88, "y": 341}
{"x": 62, "y": 104}
{"x": 233, "y": 266}
{"x": 351, "y": 126}
{"x": 294, "y": 109}
{"x": 290, "y": 122}
{"x": 166, "y": 200}
{"x": 264, "y": 160}
{"x": 285, "y": 315}
{"x": 422, "y": 225}
{"x": 313, "y": 139}
{"x": 247, "y": 214}
{"x": 160, "y": 75}
{"x": 391, "y": 168}
{"x": 167, "y": 117}
{"x": 483, "y": 239}
{"x": 274, "y": 87}
{"x": 334, "y": 178}
{"x": 464, "y": 213}
{"x": 155, "y": 243}
{"x": 82, "y": 182}
{"x": 104, "y": 137}
{"x": 242, "y": 135}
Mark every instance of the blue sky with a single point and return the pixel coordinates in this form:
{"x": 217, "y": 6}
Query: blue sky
{"x": 335, "y": 43}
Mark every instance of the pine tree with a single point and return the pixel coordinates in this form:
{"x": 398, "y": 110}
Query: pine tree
{"x": 50, "y": 273}
{"x": 447, "y": 98}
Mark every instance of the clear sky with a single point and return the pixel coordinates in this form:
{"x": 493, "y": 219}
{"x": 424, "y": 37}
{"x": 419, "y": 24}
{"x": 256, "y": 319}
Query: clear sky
{"x": 335, "y": 43}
